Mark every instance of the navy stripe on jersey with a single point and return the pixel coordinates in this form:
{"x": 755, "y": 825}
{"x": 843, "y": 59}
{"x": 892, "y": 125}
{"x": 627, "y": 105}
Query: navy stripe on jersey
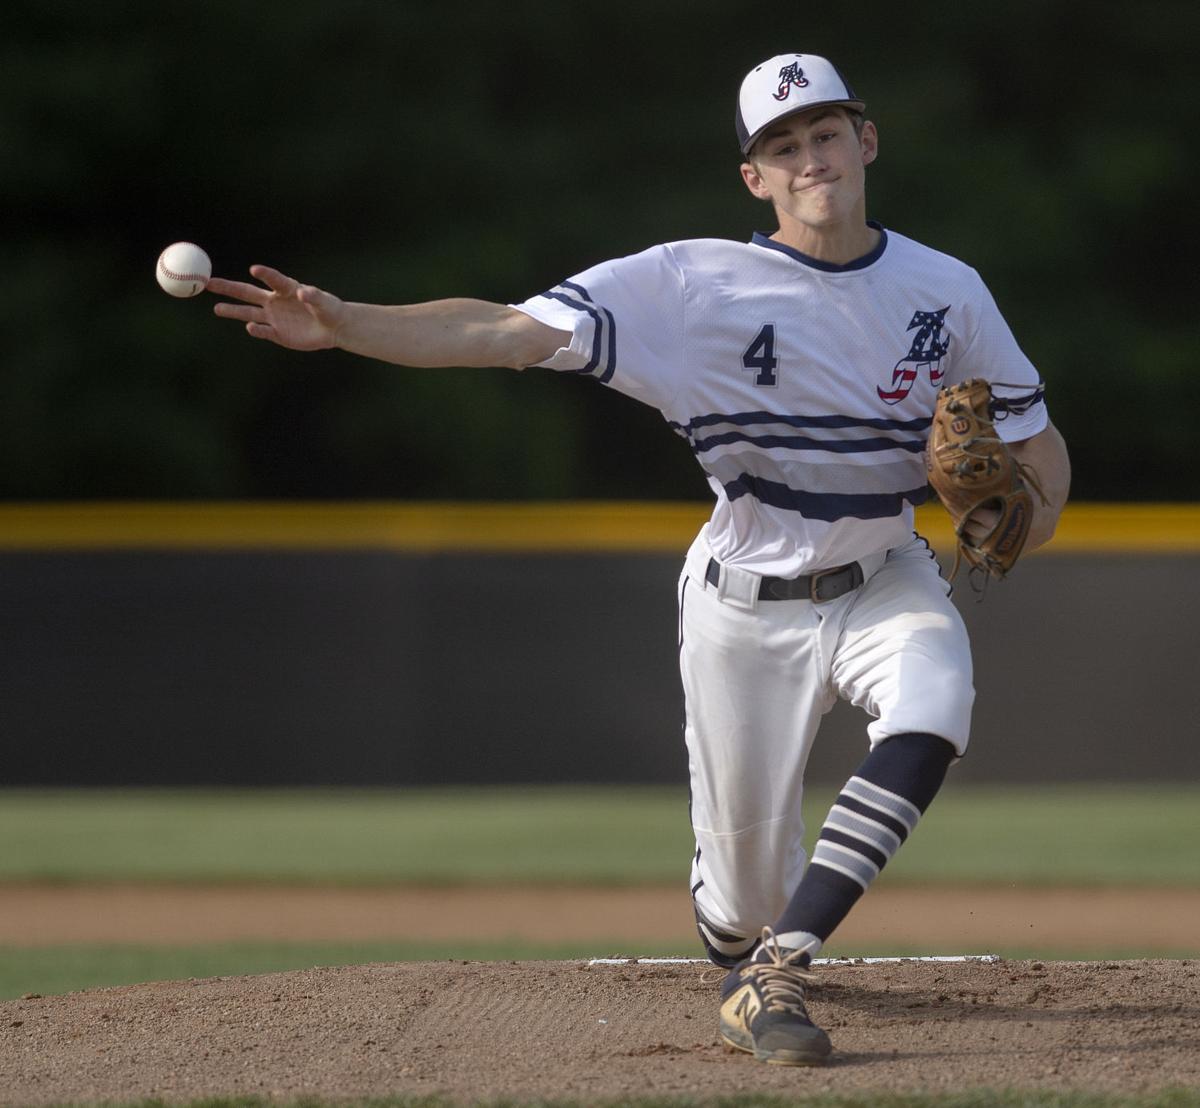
{"x": 828, "y": 507}
{"x": 611, "y": 361}
{"x": 604, "y": 335}
{"x": 730, "y": 432}
{"x": 799, "y": 442}
{"x": 596, "y": 334}
{"x": 611, "y": 364}
{"x": 746, "y": 419}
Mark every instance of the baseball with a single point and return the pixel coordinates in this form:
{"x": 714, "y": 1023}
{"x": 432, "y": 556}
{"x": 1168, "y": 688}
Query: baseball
{"x": 183, "y": 269}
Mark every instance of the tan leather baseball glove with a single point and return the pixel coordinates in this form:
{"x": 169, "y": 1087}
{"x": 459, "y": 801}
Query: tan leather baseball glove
{"x": 971, "y": 468}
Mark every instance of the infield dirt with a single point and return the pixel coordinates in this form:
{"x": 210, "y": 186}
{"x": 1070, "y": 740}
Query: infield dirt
{"x": 903, "y": 919}
{"x": 473, "y": 1030}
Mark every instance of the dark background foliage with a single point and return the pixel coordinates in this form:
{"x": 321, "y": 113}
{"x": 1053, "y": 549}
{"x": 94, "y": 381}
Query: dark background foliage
{"x": 395, "y": 152}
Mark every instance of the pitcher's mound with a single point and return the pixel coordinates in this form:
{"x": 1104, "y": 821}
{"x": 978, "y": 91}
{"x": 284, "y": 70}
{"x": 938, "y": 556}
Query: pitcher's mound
{"x": 482, "y": 1030}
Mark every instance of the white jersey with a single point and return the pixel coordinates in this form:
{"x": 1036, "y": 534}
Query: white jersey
{"x": 805, "y": 389}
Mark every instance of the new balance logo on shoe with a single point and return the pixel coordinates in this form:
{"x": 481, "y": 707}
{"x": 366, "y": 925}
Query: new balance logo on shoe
{"x": 763, "y": 1010}
{"x": 746, "y": 1008}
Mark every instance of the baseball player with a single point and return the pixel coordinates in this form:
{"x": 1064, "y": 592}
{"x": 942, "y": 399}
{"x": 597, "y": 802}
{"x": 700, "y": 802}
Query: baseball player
{"x": 802, "y": 368}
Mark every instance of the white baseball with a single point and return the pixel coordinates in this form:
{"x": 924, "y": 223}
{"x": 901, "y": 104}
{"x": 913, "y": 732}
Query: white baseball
{"x": 183, "y": 269}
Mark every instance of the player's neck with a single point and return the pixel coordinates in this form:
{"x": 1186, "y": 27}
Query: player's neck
{"x": 837, "y": 243}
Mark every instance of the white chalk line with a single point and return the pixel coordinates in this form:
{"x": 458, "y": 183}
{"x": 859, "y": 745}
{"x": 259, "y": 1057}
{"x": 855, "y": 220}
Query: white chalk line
{"x": 982, "y": 959}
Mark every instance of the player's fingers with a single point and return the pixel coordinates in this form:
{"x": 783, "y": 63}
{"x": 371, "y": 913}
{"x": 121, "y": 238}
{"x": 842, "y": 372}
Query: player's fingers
{"x": 260, "y": 331}
{"x": 980, "y": 523}
{"x": 239, "y": 290}
{"x": 247, "y": 313}
{"x": 274, "y": 280}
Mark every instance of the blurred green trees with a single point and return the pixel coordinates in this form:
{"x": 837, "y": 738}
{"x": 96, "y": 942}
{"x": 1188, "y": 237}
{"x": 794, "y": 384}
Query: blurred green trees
{"x": 403, "y": 151}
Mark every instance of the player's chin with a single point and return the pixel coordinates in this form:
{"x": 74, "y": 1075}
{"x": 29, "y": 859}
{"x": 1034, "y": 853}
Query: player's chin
{"x": 821, "y": 200}
{"x": 818, "y": 215}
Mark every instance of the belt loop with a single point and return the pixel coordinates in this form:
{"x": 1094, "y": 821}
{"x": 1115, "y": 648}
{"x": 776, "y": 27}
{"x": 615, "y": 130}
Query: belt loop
{"x": 737, "y": 587}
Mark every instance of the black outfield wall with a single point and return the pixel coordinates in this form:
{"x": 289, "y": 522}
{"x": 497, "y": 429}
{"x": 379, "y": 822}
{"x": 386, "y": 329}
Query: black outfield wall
{"x": 393, "y": 669}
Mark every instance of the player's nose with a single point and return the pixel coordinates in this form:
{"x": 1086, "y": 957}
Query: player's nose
{"x": 813, "y": 162}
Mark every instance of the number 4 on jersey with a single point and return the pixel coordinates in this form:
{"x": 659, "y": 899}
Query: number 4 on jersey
{"x": 760, "y": 356}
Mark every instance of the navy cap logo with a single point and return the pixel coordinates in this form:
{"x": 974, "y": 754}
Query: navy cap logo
{"x": 790, "y": 75}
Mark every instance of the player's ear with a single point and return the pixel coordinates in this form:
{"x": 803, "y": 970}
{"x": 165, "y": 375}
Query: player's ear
{"x": 754, "y": 181}
{"x": 869, "y": 142}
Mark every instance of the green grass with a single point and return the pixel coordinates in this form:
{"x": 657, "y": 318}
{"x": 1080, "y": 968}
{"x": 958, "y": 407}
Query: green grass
{"x": 1109, "y": 834}
{"x": 1081, "y": 834}
{"x": 583, "y": 835}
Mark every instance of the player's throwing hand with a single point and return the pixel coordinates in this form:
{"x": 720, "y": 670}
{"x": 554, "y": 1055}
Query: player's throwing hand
{"x": 300, "y": 317}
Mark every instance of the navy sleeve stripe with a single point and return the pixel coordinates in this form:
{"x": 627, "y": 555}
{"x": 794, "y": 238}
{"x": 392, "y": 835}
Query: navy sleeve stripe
{"x": 609, "y": 334}
{"x": 611, "y": 364}
{"x": 578, "y": 290}
{"x": 1004, "y": 406}
{"x": 828, "y": 507}
{"x": 596, "y": 337}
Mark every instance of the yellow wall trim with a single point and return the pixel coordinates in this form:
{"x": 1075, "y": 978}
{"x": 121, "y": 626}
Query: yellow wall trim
{"x": 421, "y": 526}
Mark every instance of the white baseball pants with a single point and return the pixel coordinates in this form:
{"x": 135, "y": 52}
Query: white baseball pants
{"x": 757, "y": 678}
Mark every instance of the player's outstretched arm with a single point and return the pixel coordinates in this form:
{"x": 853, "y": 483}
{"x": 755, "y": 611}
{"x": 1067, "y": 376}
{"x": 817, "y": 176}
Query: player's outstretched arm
{"x": 439, "y": 333}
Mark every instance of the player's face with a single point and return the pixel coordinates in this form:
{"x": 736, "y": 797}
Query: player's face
{"x": 812, "y": 167}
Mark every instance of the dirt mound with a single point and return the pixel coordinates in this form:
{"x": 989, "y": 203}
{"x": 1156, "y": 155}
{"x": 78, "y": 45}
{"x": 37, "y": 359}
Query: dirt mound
{"x": 563, "y": 1029}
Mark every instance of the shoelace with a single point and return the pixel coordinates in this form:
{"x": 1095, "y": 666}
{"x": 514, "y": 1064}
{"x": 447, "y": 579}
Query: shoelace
{"x": 781, "y": 980}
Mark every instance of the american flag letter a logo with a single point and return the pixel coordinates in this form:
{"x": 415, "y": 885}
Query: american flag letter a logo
{"x": 928, "y": 348}
{"x": 790, "y": 75}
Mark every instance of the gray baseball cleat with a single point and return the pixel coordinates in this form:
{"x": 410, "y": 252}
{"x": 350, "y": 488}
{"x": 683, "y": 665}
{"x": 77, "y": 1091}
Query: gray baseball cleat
{"x": 763, "y": 1012}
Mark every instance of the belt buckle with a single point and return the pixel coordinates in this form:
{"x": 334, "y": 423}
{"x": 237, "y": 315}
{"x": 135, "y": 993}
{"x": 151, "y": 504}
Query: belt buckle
{"x": 841, "y": 581}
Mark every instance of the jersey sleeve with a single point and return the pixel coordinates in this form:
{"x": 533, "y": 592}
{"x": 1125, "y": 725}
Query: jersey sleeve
{"x": 993, "y": 354}
{"x": 626, "y": 322}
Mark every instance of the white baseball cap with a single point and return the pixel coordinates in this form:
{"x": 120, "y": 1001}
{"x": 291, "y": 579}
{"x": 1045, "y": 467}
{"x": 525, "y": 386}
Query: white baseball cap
{"x": 785, "y": 84}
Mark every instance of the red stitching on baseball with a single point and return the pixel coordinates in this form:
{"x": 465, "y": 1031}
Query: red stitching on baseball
{"x": 178, "y": 276}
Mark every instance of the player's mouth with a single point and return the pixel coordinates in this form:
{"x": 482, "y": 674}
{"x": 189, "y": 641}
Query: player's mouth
{"x": 817, "y": 184}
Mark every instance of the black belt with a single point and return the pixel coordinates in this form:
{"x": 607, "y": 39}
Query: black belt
{"x": 829, "y": 584}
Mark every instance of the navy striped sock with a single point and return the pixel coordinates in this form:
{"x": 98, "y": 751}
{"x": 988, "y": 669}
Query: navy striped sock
{"x": 874, "y": 814}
